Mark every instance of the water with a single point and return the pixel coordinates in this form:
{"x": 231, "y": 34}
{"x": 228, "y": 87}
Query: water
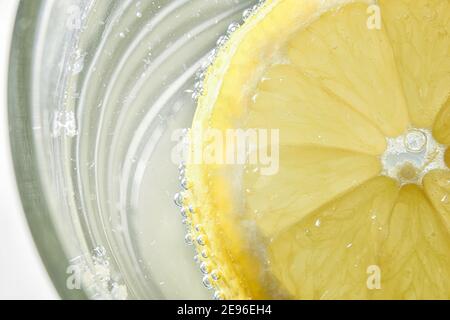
{"x": 112, "y": 82}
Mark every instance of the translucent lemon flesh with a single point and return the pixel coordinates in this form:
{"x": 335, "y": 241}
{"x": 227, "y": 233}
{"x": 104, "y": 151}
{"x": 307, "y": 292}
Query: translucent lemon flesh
{"x": 345, "y": 83}
{"x": 447, "y": 158}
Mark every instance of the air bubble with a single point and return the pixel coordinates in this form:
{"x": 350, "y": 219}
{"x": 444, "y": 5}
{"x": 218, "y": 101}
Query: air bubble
{"x": 207, "y": 282}
{"x": 222, "y": 41}
{"x": 233, "y": 27}
{"x": 188, "y": 228}
{"x": 218, "y": 295}
{"x": 184, "y": 184}
{"x": 198, "y": 86}
{"x": 205, "y": 65}
{"x": 78, "y": 66}
{"x": 215, "y": 275}
{"x": 247, "y": 14}
{"x": 188, "y": 239}
{"x": 204, "y": 254}
{"x": 196, "y": 95}
{"x": 415, "y": 141}
{"x": 178, "y": 199}
{"x": 204, "y": 268}
{"x": 201, "y": 74}
{"x": 212, "y": 56}
{"x": 201, "y": 240}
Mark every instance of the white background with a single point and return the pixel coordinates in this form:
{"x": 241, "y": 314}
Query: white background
{"x": 22, "y": 275}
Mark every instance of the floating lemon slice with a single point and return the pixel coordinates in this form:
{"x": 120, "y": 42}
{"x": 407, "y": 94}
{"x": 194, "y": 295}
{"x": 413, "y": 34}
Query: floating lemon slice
{"x": 359, "y": 206}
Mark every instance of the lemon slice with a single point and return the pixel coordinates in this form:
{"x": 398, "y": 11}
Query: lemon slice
{"x": 358, "y": 205}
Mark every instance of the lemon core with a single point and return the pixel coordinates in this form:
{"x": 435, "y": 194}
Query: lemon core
{"x": 408, "y": 172}
{"x": 409, "y": 157}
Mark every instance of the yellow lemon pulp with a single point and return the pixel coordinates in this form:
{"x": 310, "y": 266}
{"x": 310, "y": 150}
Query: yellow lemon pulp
{"x": 447, "y": 157}
{"x": 340, "y": 80}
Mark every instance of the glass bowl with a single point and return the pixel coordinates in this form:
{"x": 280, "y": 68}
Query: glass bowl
{"x": 98, "y": 91}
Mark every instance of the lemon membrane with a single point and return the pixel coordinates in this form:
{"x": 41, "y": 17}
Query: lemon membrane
{"x": 360, "y": 207}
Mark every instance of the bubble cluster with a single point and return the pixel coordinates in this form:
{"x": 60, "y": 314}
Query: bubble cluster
{"x": 409, "y": 157}
{"x": 220, "y": 43}
{"x": 96, "y": 276}
{"x": 195, "y": 235}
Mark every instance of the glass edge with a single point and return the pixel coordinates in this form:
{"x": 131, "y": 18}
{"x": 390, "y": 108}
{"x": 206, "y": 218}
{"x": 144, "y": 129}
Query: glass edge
{"x": 35, "y": 206}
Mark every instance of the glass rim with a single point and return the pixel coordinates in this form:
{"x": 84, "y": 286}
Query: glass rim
{"x": 35, "y": 205}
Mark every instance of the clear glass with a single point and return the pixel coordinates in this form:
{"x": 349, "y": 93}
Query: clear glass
{"x": 96, "y": 90}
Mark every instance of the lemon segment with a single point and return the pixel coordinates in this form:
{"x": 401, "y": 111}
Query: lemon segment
{"x": 415, "y": 260}
{"x": 441, "y": 129}
{"x": 326, "y": 255}
{"x": 309, "y": 178}
{"x": 419, "y": 32}
{"x": 353, "y": 62}
{"x": 437, "y": 188}
{"x": 309, "y": 115}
